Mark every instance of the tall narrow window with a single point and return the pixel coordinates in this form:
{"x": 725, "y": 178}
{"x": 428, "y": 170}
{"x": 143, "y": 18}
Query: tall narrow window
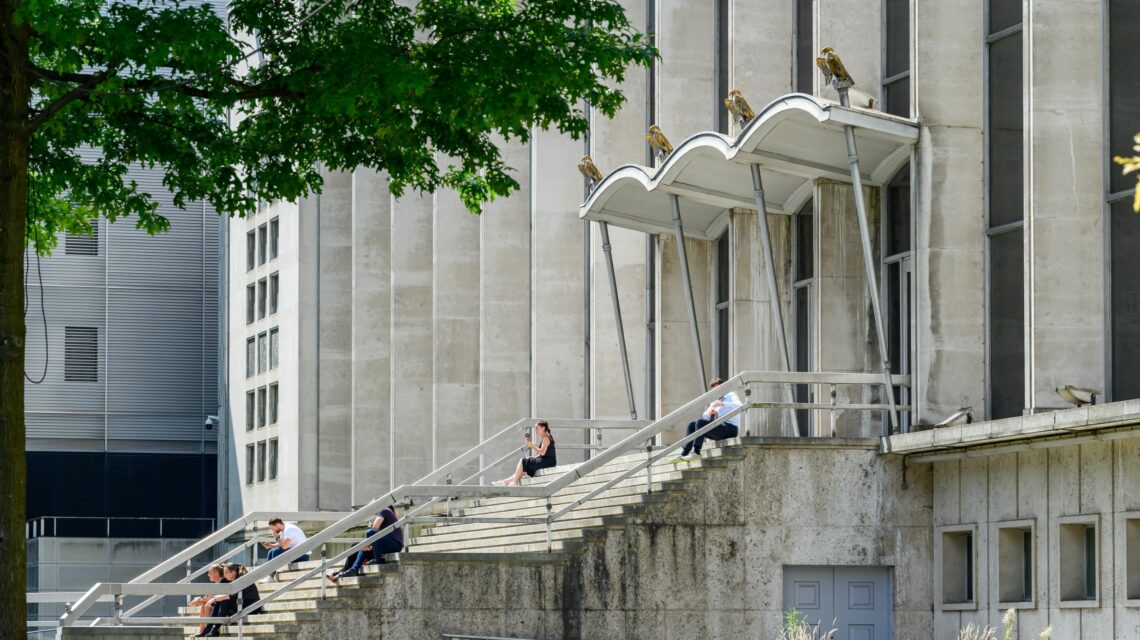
{"x": 897, "y": 279}
{"x": 249, "y": 463}
{"x": 803, "y": 231}
{"x": 274, "y": 290}
{"x": 262, "y": 405}
{"x": 250, "y": 304}
{"x": 261, "y": 461}
{"x": 262, "y": 294}
{"x": 273, "y": 403}
{"x": 274, "y": 345}
{"x": 1005, "y": 192}
{"x": 896, "y": 57}
{"x": 273, "y": 459}
{"x": 250, "y": 250}
{"x": 805, "y": 58}
{"x": 250, "y": 410}
{"x": 274, "y": 237}
{"x": 1124, "y": 225}
{"x": 721, "y": 337}
{"x": 723, "y": 64}
{"x": 81, "y": 354}
{"x": 82, "y": 244}
{"x": 262, "y": 353}
{"x": 250, "y": 357}
{"x": 262, "y": 243}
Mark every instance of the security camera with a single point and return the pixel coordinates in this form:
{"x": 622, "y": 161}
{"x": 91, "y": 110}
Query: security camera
{"x": 211, "y": 422}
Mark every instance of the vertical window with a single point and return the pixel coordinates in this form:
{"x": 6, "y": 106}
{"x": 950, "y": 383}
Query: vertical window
{"x": 897, "y": 280}
{"x": 803, "y": 232}
{"x": 262, "y": 242}
{"x": 1015, "y": 564}
{"x": 262, "y": 353}
{"x": 273, "y": 403}
{"x": 805, "y": 58}
{"x": 1124, "y": 225}
{"x": 956, "y": 566}
{"x": 1005, "y": 193}
{"x": 896, "y": 57}
{"x": 1077, "y": 551}
{"x": 723, "y": 64}
{"x": 274, "y": 289}
{"x": 250, "y": 250}
{"x": 82, "y": 244}
{"x": 262, "y": 405}
{"x": 274, "y": 237}
{"x": 250, "y": 361}
{"x": 250, "y": 410}
{"x": 722, "y": 336}
{"x": 262, "y": 294}
{"x": 81, "y": 354}
{"x": 273, "y": 459}
{"x": 249, "y": 462}
{"x": 250, "y": 299}
{"x": 261, "y": 461}
{"x": 273, "y": 347}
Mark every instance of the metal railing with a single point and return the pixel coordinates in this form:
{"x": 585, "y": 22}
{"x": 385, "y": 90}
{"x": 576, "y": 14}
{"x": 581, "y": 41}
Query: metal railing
{"x": 429, "y": 491}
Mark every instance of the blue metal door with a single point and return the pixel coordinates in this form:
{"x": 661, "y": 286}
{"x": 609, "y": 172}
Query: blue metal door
{"x": 856, "y": 601}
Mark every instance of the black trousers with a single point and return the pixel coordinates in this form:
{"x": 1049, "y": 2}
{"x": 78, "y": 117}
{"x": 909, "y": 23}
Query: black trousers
{"x": 721, "y": 432}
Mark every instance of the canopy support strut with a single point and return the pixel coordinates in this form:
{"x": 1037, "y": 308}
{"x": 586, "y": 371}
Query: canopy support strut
{"x": 679, "y": 231}
{"x": 868, "y": 262}
{"x": 605, "y": 229}
{"x": 773, "y": 287}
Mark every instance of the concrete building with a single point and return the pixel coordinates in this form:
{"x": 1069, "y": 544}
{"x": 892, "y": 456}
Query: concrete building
{"x": 372, "y": 338}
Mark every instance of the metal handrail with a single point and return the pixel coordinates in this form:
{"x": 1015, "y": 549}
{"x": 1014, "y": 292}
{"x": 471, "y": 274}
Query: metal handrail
{"x": 434, "y": 492}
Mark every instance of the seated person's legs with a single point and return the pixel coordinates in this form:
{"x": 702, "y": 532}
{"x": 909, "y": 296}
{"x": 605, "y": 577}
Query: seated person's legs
{"x": 386, "y": 545}
{"x": 273, "y": 553}
{"x": 690, "y": 430}
{"x": 722, "y": 432}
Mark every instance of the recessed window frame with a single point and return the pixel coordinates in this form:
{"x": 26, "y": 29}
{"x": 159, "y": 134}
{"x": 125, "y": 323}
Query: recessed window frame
{"x": 274, "y": 452}
{"x": 896, "y": 280}
{"x": 722, "y": 306}
{"x": 250, "y": 462}
{"x": 262, "y": 244}
{"x": 251, "y": 250}
{"x": 1128, "y": 535}
{"x": 274, "y": 292}
{"x": 1011, "y": 562}
{"x": 1072, "y": 534}
{"x": 968, "y": 556}
{"x": 250, "y": 410}
{"x": 274, "y": 238}
{"x": 803, "y": 233}
{"x": 250, "y": 357}
{"x": 892, "y": 78}
{"x": 261, "y": 455}
{"x": 262, "y": 297}
{"x": 262, "y": 407}
{"x": 274, "y": 403}
{"x": 263, "y": 352}
{"x": 274, "y": 348}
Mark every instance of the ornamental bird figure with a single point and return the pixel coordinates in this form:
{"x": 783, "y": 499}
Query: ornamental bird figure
{"x": 589, "y": 170}
{"x": 833, "y": 69}
{"x": 659, "y": 143}
{"x": 738, "y": 107}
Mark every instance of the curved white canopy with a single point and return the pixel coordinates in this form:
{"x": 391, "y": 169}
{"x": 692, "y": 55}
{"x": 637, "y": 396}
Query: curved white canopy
{"x": 794, "y": 139}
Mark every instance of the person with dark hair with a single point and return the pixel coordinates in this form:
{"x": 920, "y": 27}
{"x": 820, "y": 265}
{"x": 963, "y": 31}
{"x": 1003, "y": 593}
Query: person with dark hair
{"x": 544, "y": 459}
{"x": 392, "y": 542}
{"x": 727, "y": 429}
{"x": 287, "y": 535}
{"x": 224, "y": 606}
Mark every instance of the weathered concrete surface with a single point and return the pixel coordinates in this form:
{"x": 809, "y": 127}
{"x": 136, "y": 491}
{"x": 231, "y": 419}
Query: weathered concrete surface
{"x": 110, "y": 633}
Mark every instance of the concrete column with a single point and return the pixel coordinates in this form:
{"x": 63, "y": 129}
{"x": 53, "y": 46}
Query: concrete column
{"x": 455, "y": 315}
{"x": 334, "y": 386}
{"x": 685, "y": 36}
{"x": 1064, "y": 232}
{"x": 753, "y": 343}
{"x": 371, "y": 334}
{"x": 949, "y": 212}
{"x": 505, "y": 334}
{"x": 763, "y": 37}
{"x": 557, "y": 279}
{"x": 412, "y": 400}
{"x": 844, "y": 329}
{"x": 854, "y": 29}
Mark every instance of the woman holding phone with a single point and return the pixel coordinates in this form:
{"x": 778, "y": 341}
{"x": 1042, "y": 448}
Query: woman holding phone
{"x": 544, "y": 455}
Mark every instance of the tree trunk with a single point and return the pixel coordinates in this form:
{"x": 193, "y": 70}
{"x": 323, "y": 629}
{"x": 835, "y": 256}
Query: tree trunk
{"x": 14, "y": 94}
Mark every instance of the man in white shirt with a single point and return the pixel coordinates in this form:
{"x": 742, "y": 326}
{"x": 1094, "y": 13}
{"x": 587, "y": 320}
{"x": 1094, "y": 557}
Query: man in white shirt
{"x": 727, "y": 429}
{"x": 288, "y": 535}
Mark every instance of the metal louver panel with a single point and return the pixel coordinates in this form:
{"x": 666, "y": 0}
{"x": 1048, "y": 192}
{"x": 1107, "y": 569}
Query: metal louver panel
{"x": 81, "y": 244}
{"x": 81, "y": 354}
{"x": 64, "y": 425}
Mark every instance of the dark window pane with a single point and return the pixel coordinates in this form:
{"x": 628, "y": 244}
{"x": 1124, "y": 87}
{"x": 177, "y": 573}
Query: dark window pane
{"x": 1005, "y": 130}
{"x": 722, "y": 344}
{"x": 1007, "y": 327}
{"x": 898, "y": 212}
{"x": 896, "y": 98}
{"x": 1125, "y": 302}
{"x": 897, "y": 37}
{"x": 1124, "y": 89}
{"x": 250, "y": 250}
{"x": 803, "y": 352}
{"x": 1004, "y": 13}
{"x": 805, "y": 60}
{"x": 249, "y": 464}
{"x": 805, "y": 258}
{"x": 893, "y": 318}
{"x": 722, "y": 88}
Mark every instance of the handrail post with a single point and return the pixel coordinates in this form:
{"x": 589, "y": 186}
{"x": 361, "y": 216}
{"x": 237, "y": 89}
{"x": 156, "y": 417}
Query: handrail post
{"x": 649, "y": 469}
{"x": 119, "y": 608}
{"x": 324, "y": 576}
{"x": 240, "y": 606}
{"x": 253, "y": 546}
{"x": 832, "y": 412}
{"x": 549, "y": 525}
{"x": 189, "y": 572}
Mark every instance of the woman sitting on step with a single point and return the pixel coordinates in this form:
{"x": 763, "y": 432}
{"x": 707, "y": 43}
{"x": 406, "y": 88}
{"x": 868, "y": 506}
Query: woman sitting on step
{"x": 216, "y": 573}
{"x": 225, "y": 606}
{"x": 545, "y": 459}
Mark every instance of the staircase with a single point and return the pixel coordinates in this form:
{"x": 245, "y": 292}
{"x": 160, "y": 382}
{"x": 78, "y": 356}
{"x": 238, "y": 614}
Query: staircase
{"x": 295, "y": 615}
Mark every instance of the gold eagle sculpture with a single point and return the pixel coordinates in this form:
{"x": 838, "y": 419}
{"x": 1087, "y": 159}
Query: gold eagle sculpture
{"x": 833, "y": 69}
{"x": 738, "y": 107}
{"x": 660, "y": 144}
{"x": 589, "y": 170}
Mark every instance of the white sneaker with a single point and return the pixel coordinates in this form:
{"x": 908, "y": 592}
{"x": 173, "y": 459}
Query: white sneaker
{"x": 692, "y": 455}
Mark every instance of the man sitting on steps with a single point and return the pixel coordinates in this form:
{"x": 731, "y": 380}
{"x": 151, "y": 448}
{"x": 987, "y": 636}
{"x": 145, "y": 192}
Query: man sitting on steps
{"x": 392, "y": 542}
{"x": 728, "y": 429}
{"x": 287, "y": 535}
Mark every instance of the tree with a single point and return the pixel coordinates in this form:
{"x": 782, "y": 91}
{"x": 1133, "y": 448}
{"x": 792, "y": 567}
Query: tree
{"x": 253, "y": 112}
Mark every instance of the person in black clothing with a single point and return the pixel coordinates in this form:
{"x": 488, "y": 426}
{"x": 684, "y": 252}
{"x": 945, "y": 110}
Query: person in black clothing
{"x": 546, "y": 455}
{"x": 224, "y": 606}
{"x": 393, "y": 542}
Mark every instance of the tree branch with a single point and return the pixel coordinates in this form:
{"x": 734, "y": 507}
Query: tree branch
{"x": 79, "y": 92}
